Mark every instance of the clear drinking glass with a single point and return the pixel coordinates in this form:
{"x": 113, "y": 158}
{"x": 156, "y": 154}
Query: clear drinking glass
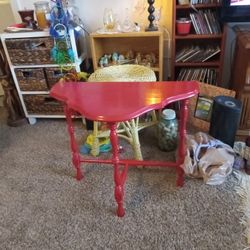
{"x": 108, "y": 20}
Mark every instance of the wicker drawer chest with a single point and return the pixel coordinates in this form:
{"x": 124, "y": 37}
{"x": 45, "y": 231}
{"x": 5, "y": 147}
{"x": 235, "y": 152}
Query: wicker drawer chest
{"x": 34, "y": 72}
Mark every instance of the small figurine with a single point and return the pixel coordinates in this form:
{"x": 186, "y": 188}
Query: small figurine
{"x": 101, "y": 62}
{"x": 115, "y": 57}
{"x": 105, "y": 61}
{"x": 138, "y": 58}
{"x": 130, "y": 55}
{"x": 121, "y": 58}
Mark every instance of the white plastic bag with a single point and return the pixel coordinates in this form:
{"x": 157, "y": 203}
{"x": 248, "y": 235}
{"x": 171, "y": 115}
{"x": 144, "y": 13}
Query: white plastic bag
{"x": 208, "y": 158}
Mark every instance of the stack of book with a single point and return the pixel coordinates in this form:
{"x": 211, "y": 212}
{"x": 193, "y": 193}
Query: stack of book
{"x": 205, "y": 22}
{"x": 196, "y": 53}
{"x": 206, "y": 75}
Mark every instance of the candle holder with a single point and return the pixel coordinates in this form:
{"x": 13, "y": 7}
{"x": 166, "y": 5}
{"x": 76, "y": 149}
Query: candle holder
{"x": 151, "y": 16}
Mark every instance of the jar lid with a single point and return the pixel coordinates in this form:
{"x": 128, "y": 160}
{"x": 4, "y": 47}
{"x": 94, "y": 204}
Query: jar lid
{"x": 168, "y": 114}
{"x": 183, "y": 20}
{"x": 41, "y": 3}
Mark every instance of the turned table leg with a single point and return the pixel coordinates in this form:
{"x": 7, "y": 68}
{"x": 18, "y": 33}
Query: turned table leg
{"x": 119, "y": 174}
{"x": 74, "y": 147}
{"x": 182, "y": 142}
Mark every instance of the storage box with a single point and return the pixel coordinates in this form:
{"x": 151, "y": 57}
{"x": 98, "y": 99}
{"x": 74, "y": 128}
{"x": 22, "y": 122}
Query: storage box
{"x": 30, "y": 51}
{"x": 42, "y": 104}
{"x": 31, "y": 79}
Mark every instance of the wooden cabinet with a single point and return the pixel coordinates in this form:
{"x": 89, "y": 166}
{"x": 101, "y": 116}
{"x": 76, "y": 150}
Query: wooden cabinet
{"x": 198, "y": 55}
{"x": 240, "y": 78}
{"x": 144, "y": 43}
{"x": 34, "y": 72}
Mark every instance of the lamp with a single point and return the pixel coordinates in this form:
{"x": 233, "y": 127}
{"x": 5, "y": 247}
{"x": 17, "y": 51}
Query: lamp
{"x": 151, "y": 16}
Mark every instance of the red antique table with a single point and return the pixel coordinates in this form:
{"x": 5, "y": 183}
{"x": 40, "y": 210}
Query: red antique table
{"x": 114, "y": 102}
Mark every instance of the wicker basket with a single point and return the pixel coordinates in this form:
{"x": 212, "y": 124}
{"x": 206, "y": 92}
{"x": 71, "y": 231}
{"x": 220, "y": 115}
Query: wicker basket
{"x": 42, "y": 104}
{"x": 54, "y": 74}
{"x": 31, "y": 79}
{"x": 123, "y": 73}
{"x": 30, "y": 51}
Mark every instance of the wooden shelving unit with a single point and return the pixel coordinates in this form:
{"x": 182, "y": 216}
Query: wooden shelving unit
{"x": 204, "y": 40}
{"x": 138, "y": 42}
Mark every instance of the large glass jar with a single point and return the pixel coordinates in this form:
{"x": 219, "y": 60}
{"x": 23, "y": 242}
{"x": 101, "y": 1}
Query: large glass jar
{"x": 168, "y": 130}
{"x": 42, "y": 11}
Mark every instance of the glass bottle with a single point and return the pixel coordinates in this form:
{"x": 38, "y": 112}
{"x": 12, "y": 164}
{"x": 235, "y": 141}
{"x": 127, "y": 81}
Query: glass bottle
{"x": 42, "y": 11}
{"x": 168, "y": 130}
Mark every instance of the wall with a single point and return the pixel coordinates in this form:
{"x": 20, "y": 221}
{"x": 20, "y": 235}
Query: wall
{"x": 91, "y": 13}
{"x": 6, "y": 14}
{"x": 7, "y": 18}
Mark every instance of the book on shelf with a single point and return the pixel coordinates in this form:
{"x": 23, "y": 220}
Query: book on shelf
{"x": 206, "y": 75}
{"x": 211, "y": 53}
{"x": 208, "y": 23}
{"x": 184, "y": 53}
{"x": 205, "y": 22}
{"x": 196, "y": 29}
{"x": 196, "y": 54}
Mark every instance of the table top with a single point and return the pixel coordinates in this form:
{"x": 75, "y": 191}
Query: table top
{"x": 121, "y": 101}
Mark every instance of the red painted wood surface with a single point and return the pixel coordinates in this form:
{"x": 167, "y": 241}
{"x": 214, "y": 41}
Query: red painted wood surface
{"x": 121, "y": 101}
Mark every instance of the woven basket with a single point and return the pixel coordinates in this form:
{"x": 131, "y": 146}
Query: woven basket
{"x": 54, "y": 74}
{"x": 30, "y": 51}
{"x": 42, "y": 104}
{"x": 31, "y": 79}
{"x": 123, "y": 73}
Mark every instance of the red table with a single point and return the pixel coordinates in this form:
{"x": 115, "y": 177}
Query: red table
{"x": 114, "y": 102}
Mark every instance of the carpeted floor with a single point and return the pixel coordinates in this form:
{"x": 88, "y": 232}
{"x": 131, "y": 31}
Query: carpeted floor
{"x": 43, "y": 207}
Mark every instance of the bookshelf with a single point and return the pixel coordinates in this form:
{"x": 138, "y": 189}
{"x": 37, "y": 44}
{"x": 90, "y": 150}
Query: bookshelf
{"x": 198, "y": 55}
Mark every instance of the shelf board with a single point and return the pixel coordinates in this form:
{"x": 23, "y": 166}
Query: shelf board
{"x": 127, "y": 34}
{"x": 42, "y": 65}
{"x": 198, "y": 6}
{"x": 196, "y": 36}
{"x": 198, "y": 64}
{"x": 34, "y": 92}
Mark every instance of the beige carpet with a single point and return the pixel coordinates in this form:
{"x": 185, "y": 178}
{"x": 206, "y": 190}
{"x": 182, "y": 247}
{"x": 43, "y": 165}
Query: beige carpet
{"x": 43, "y": 207}
{"x": 243, "y": 189}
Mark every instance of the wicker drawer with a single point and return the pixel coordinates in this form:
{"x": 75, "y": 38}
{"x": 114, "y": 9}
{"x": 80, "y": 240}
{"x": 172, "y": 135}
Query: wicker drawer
{"x": 54, "y": 74}
{"x": 31, "y": 79}
{"x": 30, "y": 51}
{"x": 42, "y": 104}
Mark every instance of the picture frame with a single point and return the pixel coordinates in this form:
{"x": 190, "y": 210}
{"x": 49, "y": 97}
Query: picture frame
{"x": 200, "y": 106}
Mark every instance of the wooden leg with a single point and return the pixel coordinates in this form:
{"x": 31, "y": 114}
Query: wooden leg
{"x": 135, "y": 139}
{"x": 182, "y": 142}
{"x": 119, "y": 175}
{"x": 74, "y": 147}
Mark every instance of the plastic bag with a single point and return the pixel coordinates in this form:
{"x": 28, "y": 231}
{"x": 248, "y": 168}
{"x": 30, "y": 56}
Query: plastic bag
{"x": 208, "y": 158}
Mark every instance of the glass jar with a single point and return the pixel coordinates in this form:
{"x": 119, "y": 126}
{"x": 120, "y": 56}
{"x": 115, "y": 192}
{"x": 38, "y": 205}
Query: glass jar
{"x": 42, "y": 11}
{"x": 168, "y": 130}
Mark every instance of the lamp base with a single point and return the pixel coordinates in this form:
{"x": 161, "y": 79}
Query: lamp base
{"x": 152, "y": 28}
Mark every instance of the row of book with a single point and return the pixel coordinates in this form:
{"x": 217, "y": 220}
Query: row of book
{"x": 205, "y": 22}
{"x": 205, "y": 1}
{"x": 196, "y": 53}
{"x": 206, "y": 75}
